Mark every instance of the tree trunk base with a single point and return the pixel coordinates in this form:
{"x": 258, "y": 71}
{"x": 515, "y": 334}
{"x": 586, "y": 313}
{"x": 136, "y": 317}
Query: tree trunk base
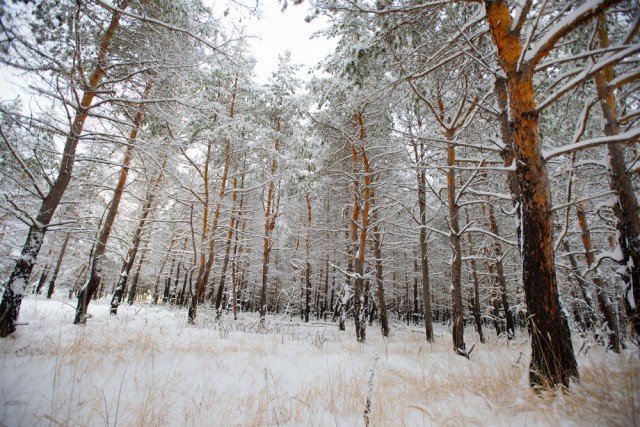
{"x": 9, "y": 311}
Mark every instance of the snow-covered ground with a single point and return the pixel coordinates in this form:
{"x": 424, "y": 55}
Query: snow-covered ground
{"x": 148, "y": 367}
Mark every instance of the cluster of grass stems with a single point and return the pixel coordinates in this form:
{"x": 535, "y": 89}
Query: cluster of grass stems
{"x": 148, "y": 367}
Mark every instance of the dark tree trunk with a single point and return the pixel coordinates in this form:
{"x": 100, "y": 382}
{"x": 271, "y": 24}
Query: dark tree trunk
{"x": 424, "y": 261}
{"x": 626, "y": 207}
{"x": 456, "y": 264}
{"x": 121, "y": 287}
{"x": 475, "y": 299}
{"x": 307, "y": 268}
{"x": 589, "y": 317}
{"x": 377, "y": 253}
{"x": 497, "y": 248}
{"x": 16, "y": 285}
{"x": 134, "y": 283}
{"x": 604, "y": 303}
{"x": 43, "y": 278}
{"x": 95, "y": 272}
{"x": 12, "y": 298}
{"x": 167, "y": 283}
{"x": 552, "y": 358}
{"x": 56, "y": 270}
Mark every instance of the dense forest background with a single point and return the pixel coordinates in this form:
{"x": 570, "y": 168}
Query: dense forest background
{"x": 460, "y": 162}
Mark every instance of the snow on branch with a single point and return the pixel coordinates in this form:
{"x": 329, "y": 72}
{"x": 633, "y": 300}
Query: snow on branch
{"x": 488, "y": 233}
{"x": 625, "y": 137}
{"x": 625, "y": 78}
{"x": 587, "y": 73}
{"x": 23, "y": 166}
{"x": 162, "y": 24}
{"x": 582, "y": 14}
{"x": 585, "y": 199}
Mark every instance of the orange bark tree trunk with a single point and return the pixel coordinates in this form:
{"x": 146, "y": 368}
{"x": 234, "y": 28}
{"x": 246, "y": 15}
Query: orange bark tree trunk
{"x": 270, "y": 216}
{"x": 16, "y": 285}
{"x": 227, "y": 251}
{"x": 127, "y": 265}
{"x": 359, "y": 258}
{"x": 552, "y": 360}
{"x": 604, "y": 302}
{"x": 307, "y": 267}
{"x": 95, "y": 273}
{"x": 626, "y": 207}
{"x": 208, "y": 234}
{"x": 456, "y": 262}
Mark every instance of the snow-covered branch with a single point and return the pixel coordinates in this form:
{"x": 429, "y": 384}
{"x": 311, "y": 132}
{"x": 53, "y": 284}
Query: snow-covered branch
{"x": 622, "y": 138}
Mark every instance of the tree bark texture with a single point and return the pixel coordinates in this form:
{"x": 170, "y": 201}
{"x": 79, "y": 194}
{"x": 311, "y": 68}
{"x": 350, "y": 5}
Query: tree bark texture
{"x": 270, "y": 215}
{"x": 377, "y": 253}
{"x": 56, "y": 270}
{"x": 607, "y": 308}
{"x": 121, "y": 287}
{"x": 552, "y": 360}
{"x": 95, "y": 273}
{"x": 359, "y": 259}
{"x": 475, "y": 299}
{"x": 307, "y": 267}
{"x": 502, "y": 282}
{"x": 424, "y": 260}
{"x": 227, "y": 251}
{"x": 456, "y": 261}
{"x": 626, "y": 207}
{"x": 16, "y": 285}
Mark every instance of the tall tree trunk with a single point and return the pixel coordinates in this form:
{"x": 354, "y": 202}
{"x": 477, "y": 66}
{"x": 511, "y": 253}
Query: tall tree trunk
{"x": 377, "y": 253}
{"x": 156, "y": 294}
{"x": 420, "y": 152}
{"x": 134, "y": 283}
{"x": 307, "y": 267}
{"x": 174, "y": 297}
{"x": 234, "y": 269}
{"x": 607, "y": 308}
{"x": 202, "y": 258}
{"x": 502, "y": 282}
{"x": 80, "y": 279}
{"x": 238, "y": 277}
{"x": 121, "y": 287}
{"x": 270, "y": 215}
{"x": 626, "y": 207}
{"x": 227, "y": 250}
{"x": 456, "y": 263}
{"x": 475, "y": 299}
{"x": 507, "y": 154}
{"x": 552, "y": 358}
{"x": 495, "y": 300}
{"x": 167, "y": 282}
{"x": 43, "y": 278}
{"x": 56, "y": 270}
{"x": 359, "y": 285}
{"x": 205, "y": 270}
{"x": 589, "y": 317}
{"x": 95, "y": 273}
{"x": 17, "y": 283}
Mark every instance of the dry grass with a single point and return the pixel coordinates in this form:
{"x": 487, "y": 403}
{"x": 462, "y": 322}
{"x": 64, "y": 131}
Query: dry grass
{"x": 147, "y": 367}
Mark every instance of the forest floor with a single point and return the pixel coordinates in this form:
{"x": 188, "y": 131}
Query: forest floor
{"x": 148, "y": 367}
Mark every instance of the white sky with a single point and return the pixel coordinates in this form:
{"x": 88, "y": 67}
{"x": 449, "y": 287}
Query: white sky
{"x": 277, "y": 32}
{"x": 273, "y": 33}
